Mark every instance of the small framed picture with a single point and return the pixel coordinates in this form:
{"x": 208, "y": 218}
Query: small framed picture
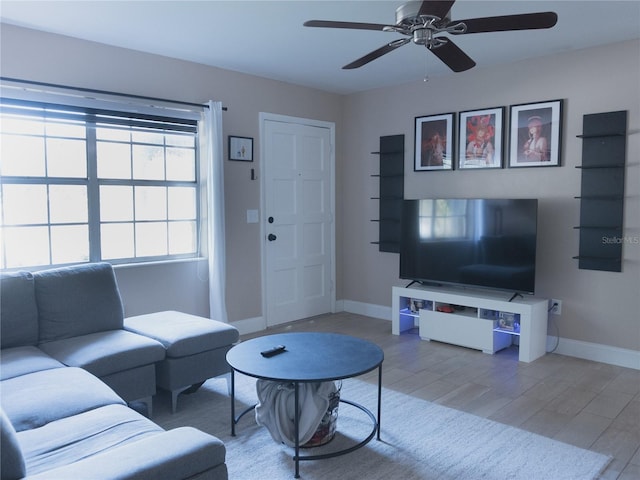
{"x": 535, "y": 134}
{"x": 481, "y": 138}
{"x": 434, "y": 142}
{"x": 241, "y": 149}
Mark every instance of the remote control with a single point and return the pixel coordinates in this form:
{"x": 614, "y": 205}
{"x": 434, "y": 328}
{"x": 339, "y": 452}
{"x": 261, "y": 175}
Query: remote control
{"x": 273, "y": 351}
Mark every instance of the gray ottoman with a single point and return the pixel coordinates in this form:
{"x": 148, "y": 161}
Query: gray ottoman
{"x": 196, "y": 348}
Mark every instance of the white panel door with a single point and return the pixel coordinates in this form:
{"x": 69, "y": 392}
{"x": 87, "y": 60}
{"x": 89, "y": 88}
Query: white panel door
{"x": 298, "y": 243}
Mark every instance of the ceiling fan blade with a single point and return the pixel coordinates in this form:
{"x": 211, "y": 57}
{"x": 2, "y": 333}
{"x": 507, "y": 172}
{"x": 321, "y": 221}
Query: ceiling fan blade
{"x": 369, "y": 57}
{"x": 349, "y": 25}
{"x": 525, "y": 21}
{"x": 453, "y": 57}
{"x": 436, "y": 8}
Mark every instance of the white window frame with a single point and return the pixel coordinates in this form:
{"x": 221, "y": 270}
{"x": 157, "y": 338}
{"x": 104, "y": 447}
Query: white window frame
{"x": 136, "y": 115}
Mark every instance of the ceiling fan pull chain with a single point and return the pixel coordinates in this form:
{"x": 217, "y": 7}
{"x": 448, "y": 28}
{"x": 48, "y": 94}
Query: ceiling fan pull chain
{"x": 426, "y": 70}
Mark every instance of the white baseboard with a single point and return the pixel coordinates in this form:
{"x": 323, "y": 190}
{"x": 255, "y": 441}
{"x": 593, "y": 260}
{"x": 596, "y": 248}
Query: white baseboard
{"x": 572, "y": 348}
{"x": 621, "y": 357}
{"x": 360, "y": 308}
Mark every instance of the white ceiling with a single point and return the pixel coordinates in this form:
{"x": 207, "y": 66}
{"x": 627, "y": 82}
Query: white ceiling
{"x": 267, "y": 38}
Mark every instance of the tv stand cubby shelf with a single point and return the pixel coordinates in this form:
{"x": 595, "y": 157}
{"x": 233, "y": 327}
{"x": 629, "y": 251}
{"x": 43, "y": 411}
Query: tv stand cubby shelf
{"x": 476, "y": 320}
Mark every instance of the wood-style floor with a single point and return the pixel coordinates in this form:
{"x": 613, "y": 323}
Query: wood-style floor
{"x": 592, "y": 405}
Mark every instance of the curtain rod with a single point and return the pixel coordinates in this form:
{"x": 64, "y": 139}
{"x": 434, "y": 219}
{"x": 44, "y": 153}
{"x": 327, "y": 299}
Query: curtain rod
{"x": 104, "y": 92}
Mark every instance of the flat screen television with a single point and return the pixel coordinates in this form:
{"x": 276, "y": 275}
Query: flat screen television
{"x": 484, "y": 243}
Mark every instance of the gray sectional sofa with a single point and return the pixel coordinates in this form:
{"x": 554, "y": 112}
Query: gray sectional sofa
{"x": 68, "y": 370}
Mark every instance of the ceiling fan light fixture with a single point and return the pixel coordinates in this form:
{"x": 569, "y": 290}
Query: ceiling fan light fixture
{"x": 422, "y": 36}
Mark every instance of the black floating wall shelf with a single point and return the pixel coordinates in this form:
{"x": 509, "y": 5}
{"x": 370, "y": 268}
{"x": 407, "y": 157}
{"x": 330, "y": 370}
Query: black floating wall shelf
{"x": 391, "y": 194}
{"x": 604, "y": 146}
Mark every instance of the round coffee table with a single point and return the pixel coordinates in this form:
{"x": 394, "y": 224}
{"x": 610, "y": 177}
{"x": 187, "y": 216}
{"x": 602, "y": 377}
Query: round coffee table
{"x": 308, "y": 357}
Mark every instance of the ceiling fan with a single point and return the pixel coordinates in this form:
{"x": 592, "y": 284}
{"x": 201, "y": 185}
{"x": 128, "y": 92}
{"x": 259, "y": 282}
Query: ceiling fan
{"x": 422, "y": 21}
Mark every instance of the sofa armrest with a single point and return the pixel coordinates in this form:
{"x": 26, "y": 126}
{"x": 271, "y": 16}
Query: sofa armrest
{"x": 173, "y": 455}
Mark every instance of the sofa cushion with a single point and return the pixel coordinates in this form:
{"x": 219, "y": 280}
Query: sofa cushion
{"x": 77, "y": 300}
{"x": 183, "y": 452}
{"x": 71, "y": 439}
{"x": 183, "y": 334}
{"x": 104, "y": 353}
{"x": 18, "y": 315}
{"x": 22, "y": 360}
{"x": 38, "y": 398}
{"x": 12, "y": 465}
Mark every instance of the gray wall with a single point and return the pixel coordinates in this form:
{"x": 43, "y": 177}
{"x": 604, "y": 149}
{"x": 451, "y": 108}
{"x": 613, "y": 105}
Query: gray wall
{"x": 156, "y": 287}
{"x": 598, "y": 307}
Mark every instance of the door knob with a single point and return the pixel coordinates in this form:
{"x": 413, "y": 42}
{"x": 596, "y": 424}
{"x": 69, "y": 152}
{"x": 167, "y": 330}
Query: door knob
{"x": 270, "y": 220}
{"x": 271, "y": 237}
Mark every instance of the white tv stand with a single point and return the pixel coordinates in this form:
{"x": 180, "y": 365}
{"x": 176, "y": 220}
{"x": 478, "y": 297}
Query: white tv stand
{"x": 475, "y": 321}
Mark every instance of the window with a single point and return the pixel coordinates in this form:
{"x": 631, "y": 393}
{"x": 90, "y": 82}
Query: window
{"x": 441, "y": 219}
{"x": 79, "y": 185}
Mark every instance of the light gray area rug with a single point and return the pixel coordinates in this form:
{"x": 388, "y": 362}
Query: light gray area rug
{"x": 419, "y": 440}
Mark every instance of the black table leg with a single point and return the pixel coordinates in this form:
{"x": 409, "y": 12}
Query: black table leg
{"x": 296, "y": 417}
{"x": 233, "y": 403}
{"x": 379, "y": 397}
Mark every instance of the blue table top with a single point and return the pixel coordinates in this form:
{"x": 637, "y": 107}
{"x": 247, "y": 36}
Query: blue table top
{"x": 309, "y": 357}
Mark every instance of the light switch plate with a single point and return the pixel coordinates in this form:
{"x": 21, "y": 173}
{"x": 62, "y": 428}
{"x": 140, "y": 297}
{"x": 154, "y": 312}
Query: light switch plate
{"x": 252, "y": 216}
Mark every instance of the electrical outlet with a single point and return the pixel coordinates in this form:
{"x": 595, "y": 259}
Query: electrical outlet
{"x": 555, "y": 306}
